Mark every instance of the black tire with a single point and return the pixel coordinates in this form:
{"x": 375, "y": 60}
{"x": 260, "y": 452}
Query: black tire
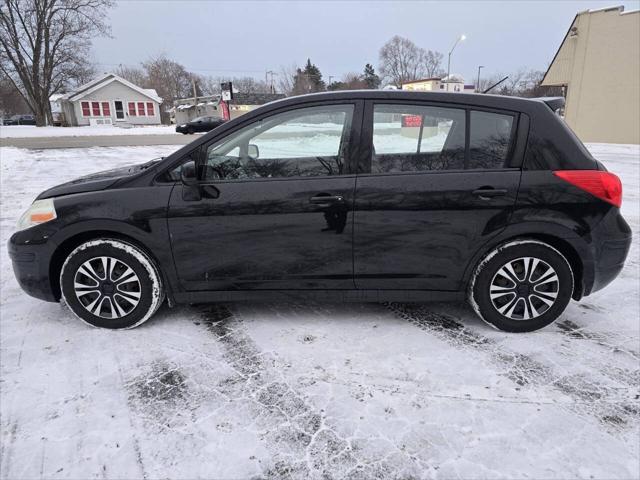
{"x": 543, "y": 275}
{"x": 125, "y": 298}
{"x": 190, "y": 131}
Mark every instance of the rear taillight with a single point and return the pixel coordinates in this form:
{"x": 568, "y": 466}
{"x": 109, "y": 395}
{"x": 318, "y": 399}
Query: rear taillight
{"x": 604, "y": 185}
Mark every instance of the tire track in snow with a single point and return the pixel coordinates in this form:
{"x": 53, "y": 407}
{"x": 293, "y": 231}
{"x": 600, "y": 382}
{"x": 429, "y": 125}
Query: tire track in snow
{"x": 300, "y": 439}
{"x": 574, "y": 331}
{"x": 616, "y": 408}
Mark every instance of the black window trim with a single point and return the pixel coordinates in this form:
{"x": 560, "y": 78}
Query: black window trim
{"x": 516, "y": 147}
{"x": 352, "y": 158}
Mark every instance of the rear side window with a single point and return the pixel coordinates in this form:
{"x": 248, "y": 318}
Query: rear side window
{"x": 410, "y": 138}
{"x": 414, "y": 138}
{"x": 490, "y": 139}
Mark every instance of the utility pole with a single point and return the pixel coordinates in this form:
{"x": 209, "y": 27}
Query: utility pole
{"x": 269, "y": 72}
{"x": 478, "y": 82}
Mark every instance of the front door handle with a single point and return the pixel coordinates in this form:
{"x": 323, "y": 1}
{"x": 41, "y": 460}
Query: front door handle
{"x": 488, "y": 193}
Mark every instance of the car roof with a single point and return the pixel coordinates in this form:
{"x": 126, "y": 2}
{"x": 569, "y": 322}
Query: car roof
{"x": 481, "y": 100}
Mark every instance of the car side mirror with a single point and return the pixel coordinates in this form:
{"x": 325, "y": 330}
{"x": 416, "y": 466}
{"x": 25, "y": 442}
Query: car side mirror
{"x": 188, "y": 174}
{"x": 253, "y": 151}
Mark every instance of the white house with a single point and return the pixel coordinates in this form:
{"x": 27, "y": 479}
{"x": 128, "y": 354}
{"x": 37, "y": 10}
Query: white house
{"x": 109, "y": 100}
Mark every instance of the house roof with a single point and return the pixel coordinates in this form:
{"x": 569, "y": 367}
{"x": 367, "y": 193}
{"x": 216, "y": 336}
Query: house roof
{"x": 105, "y": 79}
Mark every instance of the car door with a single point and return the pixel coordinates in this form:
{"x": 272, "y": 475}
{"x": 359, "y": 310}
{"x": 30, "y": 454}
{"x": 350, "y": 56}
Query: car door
{"x": 437, "y": 184}
{"x": 273, "y": 205}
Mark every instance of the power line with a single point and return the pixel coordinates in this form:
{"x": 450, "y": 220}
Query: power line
{"x": 219, "y": 70}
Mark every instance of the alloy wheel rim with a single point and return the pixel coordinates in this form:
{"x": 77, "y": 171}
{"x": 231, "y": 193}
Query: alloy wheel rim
{"x": 107, "y": 287}
{"x": 524, "y": 288}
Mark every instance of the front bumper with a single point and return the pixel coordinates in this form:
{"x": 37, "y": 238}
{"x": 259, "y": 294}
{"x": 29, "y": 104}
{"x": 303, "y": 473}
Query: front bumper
{"x": 31, "y": 264}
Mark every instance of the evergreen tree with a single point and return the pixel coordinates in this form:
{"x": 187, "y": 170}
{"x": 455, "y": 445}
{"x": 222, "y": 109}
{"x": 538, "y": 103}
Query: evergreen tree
{"x": 370, "y": 78}
{"x": 308, "y": 80}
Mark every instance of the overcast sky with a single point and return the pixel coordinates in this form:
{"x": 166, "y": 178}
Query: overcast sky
{"x": 247, "y": 38}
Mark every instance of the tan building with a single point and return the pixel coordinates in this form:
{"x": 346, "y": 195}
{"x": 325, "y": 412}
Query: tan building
{"x": 437, "y": 84}
{"x": 598, "y": 64}
{"x": 424, "y": 85}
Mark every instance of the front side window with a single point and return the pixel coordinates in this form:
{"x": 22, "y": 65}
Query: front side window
{"x": 410, "y": 138}
{"x": 490, "y": 139}
{"x": 300, "y": 143}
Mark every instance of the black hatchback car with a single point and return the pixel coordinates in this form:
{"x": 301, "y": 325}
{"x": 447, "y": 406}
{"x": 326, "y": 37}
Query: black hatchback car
{"x": 200, "y": 124}
{"x": 361, "y": 195}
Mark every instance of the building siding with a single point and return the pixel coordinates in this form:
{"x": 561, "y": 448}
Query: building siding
{"x": 600, "y": 67}
{"x": 112, "y": 92}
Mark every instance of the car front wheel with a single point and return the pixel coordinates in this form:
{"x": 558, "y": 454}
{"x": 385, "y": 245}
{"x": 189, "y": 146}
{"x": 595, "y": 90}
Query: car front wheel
{"x": 521, "y": 286}
{"x": 110, "y": 283}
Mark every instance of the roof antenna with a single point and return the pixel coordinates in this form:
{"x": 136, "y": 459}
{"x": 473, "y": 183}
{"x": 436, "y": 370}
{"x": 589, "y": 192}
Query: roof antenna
{"x": 495, "y": 84}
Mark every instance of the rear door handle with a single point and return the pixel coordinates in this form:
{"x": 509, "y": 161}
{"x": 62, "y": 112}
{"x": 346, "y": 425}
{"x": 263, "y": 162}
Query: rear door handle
{"x": 487, "y": 193}
{"x": 327, "y": 199}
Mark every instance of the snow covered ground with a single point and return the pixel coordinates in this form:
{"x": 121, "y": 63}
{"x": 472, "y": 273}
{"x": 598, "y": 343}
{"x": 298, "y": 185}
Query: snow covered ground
{"x": 312, "y": 390}
{"x": 29, "y": 131}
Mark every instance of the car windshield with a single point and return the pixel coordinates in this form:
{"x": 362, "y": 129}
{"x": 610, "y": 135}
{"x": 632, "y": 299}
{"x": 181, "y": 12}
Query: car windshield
{"x": 199, "y": 119}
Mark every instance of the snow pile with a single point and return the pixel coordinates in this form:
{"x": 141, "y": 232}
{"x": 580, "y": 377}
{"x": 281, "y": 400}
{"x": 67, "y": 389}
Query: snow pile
{"x": 309, "y": 391}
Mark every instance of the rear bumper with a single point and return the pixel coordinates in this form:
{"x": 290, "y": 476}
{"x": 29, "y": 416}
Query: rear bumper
{"x": 611, "y": 243}
{"x": 31, "y": 267}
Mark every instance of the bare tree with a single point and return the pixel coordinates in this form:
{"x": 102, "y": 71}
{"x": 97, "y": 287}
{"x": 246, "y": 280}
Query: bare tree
{"x": 11, "y": 101}
{"x": 286, "y": 79}
{"x": 44, "y": 46}
{"x": 171, "y": 80}
{"x": 249, "y": 85}
{"x": 134, "y": 75}
{"x": 432, "y": 64}
{"x": 350, "y": 81}
{"x": 401, "y": 60}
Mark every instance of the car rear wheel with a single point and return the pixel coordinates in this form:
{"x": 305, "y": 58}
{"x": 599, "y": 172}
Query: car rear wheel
{"x": 112, "y": 284}
{"x": 521, "y": 286}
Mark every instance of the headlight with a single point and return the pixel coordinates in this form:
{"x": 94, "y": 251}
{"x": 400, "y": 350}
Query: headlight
{"x": 40, "y": 211}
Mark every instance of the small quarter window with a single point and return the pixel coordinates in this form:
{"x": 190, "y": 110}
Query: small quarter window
{"x": 490, "y": 139}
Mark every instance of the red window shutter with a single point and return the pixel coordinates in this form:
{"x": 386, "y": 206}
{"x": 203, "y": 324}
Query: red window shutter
{"x": 141, "y": 109}
{"x": 106, "y": 111}
{"x": 95, "y": 109}
{"x": 132, "y": 109}
{"x": 85, "y": 109}
{"x": 150, "y": 111}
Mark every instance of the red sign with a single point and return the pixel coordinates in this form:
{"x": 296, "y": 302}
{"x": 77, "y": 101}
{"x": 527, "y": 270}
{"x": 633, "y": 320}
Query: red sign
{"x": 411, "y": 120}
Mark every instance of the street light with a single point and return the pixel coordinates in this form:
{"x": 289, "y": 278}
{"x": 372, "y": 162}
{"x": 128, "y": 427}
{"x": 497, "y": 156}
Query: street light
{"x": 478, "y": 82}
{"x": 458, "y": 40}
